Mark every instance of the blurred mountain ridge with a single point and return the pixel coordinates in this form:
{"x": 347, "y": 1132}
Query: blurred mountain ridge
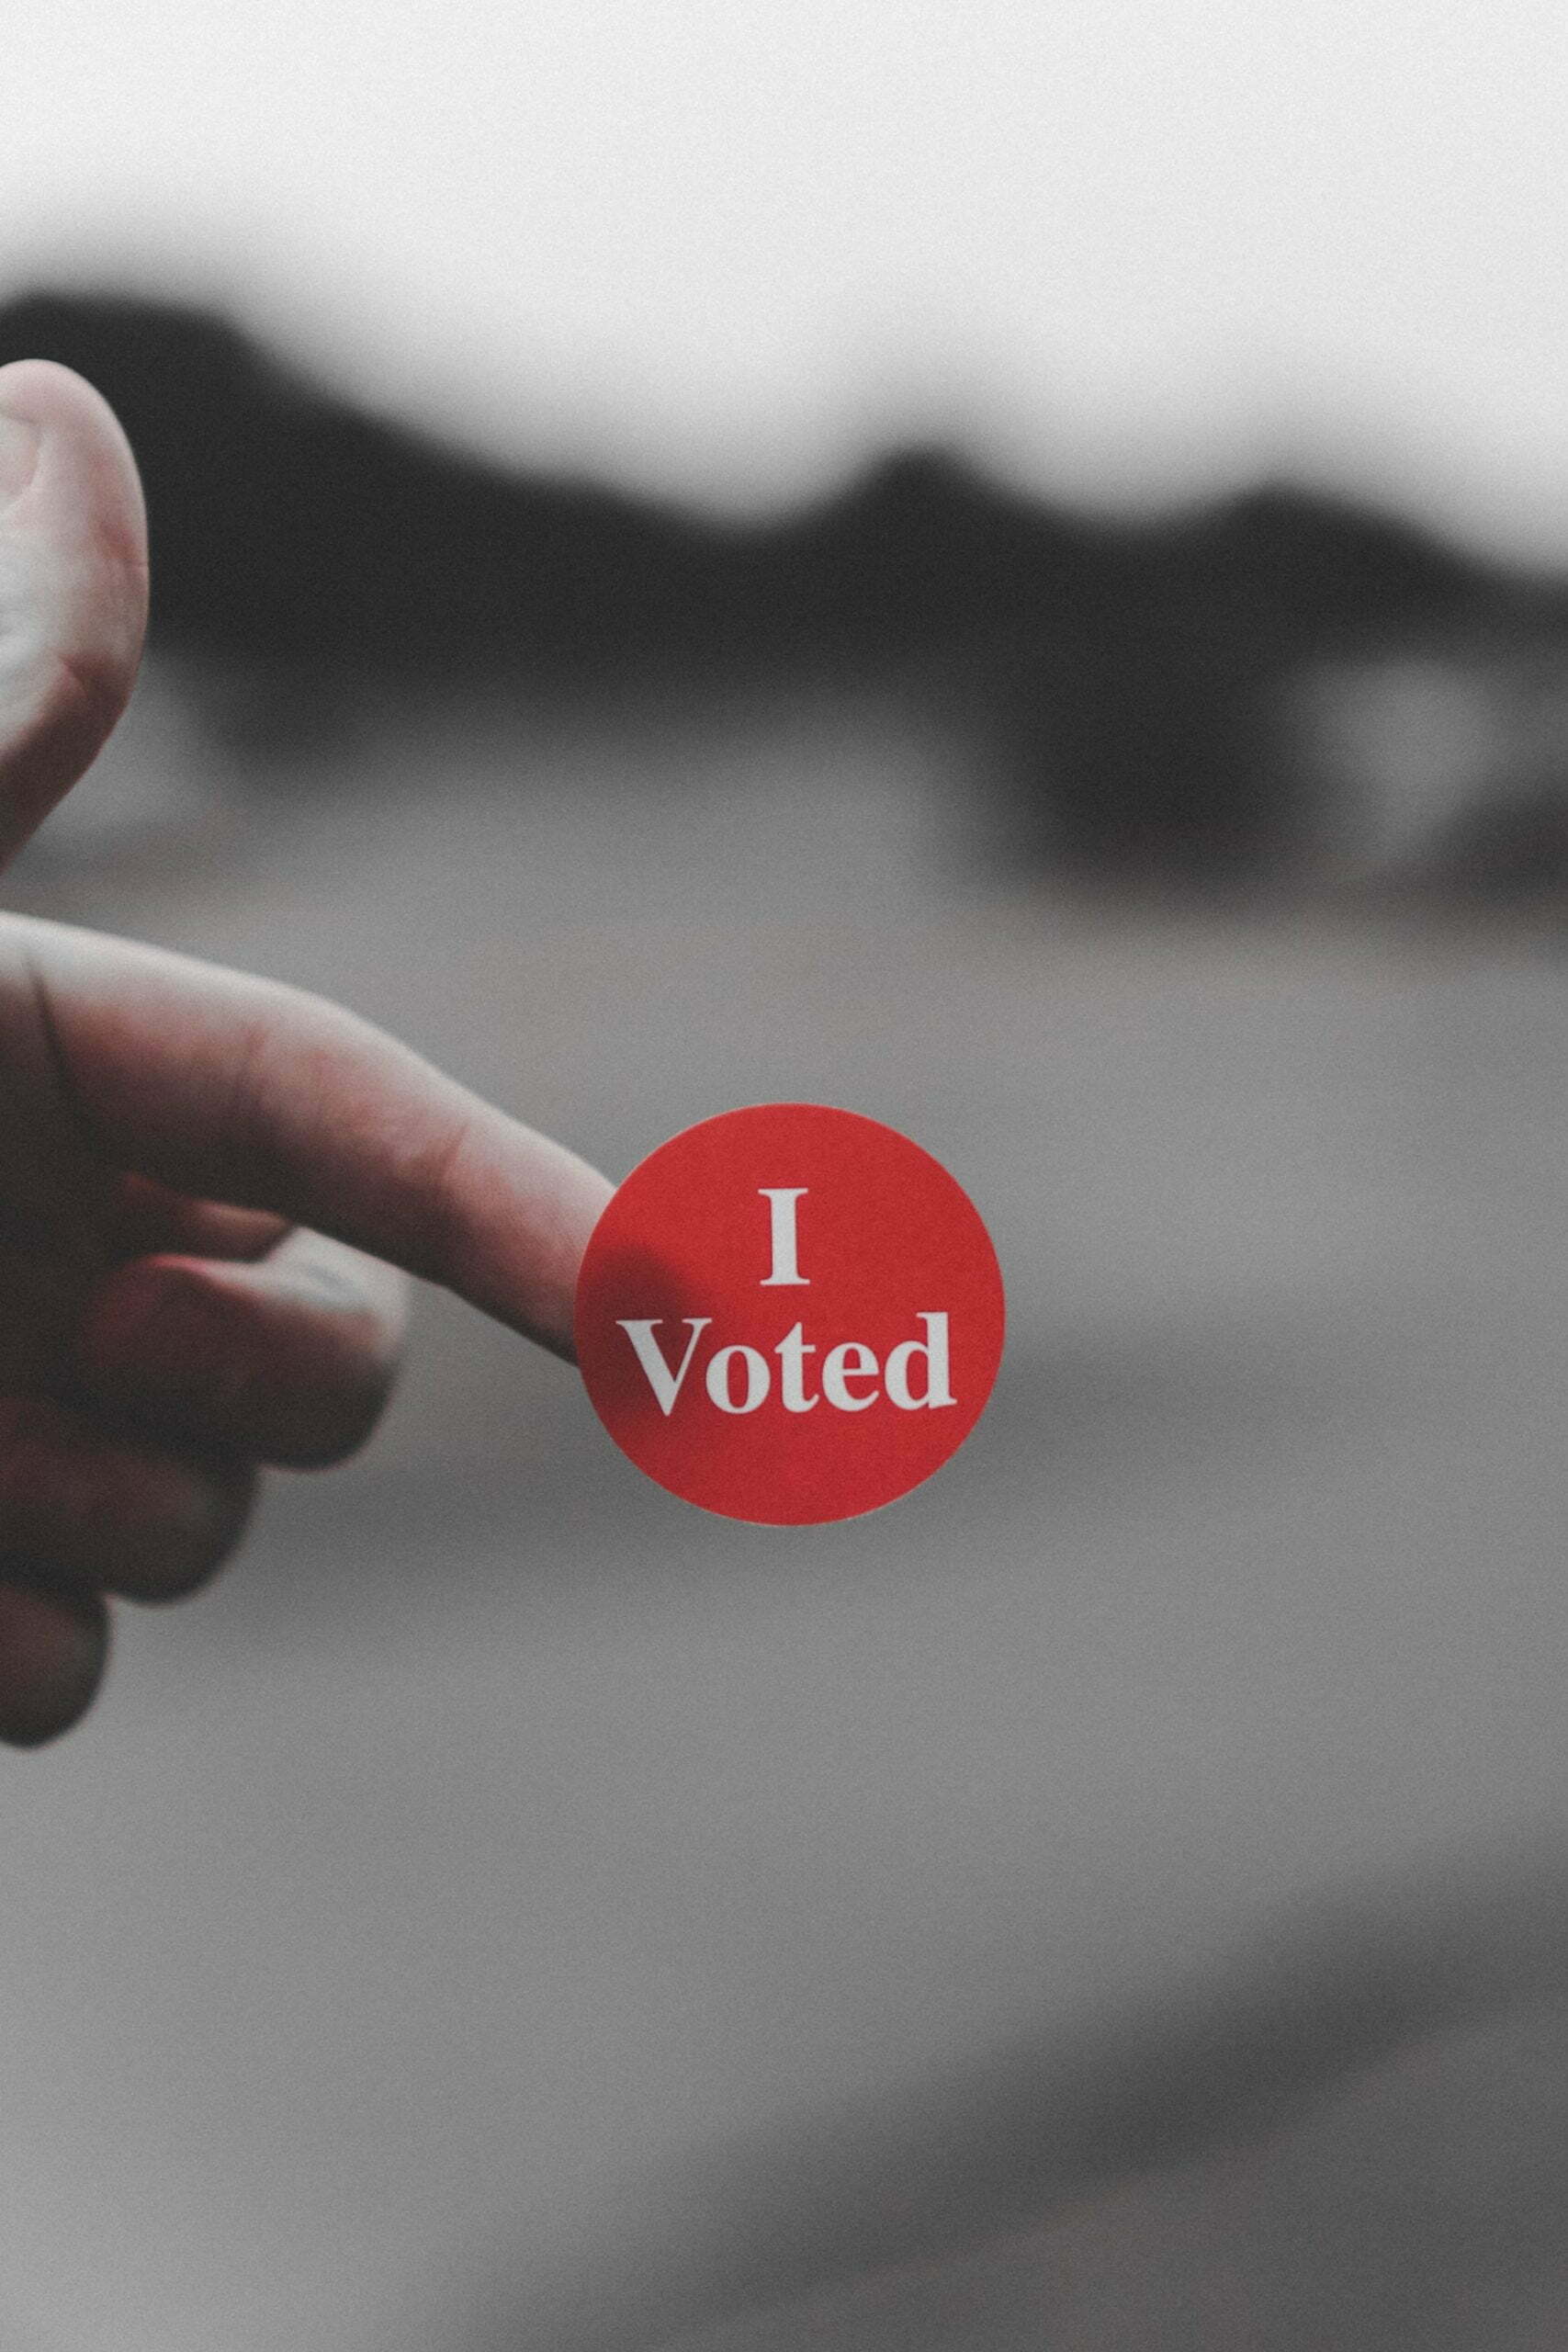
{"x": 1128, "y": 684}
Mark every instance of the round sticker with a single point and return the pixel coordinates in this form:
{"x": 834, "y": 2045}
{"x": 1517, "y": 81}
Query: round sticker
{"x": 789, "y": 1314}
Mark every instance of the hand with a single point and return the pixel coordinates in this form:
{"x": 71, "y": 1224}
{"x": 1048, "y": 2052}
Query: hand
{"x": 191, "y": 1161}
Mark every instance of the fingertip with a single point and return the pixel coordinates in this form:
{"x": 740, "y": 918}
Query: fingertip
{"x": 74, "y": 430}
{"x": 520, "y": 1221}
{"x": 72, "y": 587}
{"x": 53, "y": 1651}
{"x": 209, "y": 1505}
{"x": 288, "y": 1360}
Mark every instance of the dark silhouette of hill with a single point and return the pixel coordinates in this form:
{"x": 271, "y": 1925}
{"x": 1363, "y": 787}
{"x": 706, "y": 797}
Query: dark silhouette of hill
{"x": 1125, "y": 680}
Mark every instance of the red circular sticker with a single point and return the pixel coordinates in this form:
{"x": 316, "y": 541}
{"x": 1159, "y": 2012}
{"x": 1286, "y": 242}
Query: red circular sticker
{"x": 789, "y": 1314}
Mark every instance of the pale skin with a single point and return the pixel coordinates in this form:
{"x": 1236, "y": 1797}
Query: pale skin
{"x": 211, "y": 1185}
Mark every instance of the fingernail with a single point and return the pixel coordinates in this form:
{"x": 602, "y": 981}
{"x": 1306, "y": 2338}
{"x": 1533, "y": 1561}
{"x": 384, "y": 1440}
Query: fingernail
{"x": 18, "y": 454}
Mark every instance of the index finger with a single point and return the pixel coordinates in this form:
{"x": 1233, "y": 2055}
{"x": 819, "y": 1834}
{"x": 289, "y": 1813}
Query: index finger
{"x": 252, "y": 1092}
{"x": 72, "y": 586}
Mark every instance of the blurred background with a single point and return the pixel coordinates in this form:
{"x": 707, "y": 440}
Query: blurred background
{"x": 1004, "y": 568}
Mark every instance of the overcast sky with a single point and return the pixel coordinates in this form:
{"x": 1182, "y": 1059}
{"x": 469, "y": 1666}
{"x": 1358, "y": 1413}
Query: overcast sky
{"x": 717, "y": 242}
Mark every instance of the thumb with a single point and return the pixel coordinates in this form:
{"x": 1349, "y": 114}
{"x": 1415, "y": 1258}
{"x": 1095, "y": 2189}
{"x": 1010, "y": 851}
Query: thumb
{"x": 72, "y": 586}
